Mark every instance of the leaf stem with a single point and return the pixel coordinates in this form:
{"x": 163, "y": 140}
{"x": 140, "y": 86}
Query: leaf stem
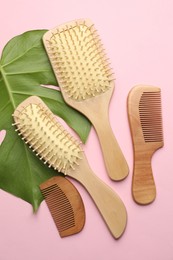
{"x": 8, "y": 87}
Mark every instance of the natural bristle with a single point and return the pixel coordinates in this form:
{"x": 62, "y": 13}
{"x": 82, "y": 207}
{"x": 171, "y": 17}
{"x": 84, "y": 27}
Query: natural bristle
{"x": 79, "y": 61}
{"x": 150, "y": 116}
{"x": 47, "y": 137}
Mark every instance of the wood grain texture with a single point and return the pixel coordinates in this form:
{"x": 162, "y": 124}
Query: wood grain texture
{"x": 107, "y": 201}
{"x": 87, "y": 84}
{"x": 65, "y": 205}
{"x": 144, "y": 112}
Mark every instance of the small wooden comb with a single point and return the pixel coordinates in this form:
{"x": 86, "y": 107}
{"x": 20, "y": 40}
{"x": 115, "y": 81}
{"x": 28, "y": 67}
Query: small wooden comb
{"x": 65, "y": 205}
{"x": 144, "y": 111}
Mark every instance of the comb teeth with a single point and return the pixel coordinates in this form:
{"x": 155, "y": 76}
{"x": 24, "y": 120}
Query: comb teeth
{"x": 47, "y": 137}
{"x": 78, "y": 59}
{"x": 150, "y": 116}
{"x": 65, "y": 205}
{"x": 60, "y": 207}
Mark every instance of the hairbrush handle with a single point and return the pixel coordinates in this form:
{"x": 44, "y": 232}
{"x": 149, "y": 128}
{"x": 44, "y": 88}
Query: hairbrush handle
{"x": 143, "y": 185}
{"x": 115, "y": 161}
{"x": 107, "y": 201}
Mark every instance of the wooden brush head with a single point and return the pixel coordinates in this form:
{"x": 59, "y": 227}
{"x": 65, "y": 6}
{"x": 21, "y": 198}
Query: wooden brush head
{"x": 46, "y": 136}
{"x": 78, "y": 60}
{"x": 65, "y": 205}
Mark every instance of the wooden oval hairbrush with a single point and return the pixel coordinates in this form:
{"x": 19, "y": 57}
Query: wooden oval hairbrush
{"x": 144, "y": 111}
{"x": 57, "y": 147}
{"x": 65, "y": 205}
{"x": 86, "y": 81}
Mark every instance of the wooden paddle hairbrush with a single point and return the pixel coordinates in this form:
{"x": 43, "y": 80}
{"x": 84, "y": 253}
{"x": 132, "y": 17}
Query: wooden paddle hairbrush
{"x": 144, "y": 111}
{"x": 65, "y": 205}
{"x": 86, "y": 81}
{"x": 57, "y": 147}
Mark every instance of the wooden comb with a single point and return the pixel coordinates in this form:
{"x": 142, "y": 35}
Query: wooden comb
{"x": 65, "y": 205}
{"x": 86, "y": 81}
{"x": 39, "y": 128}
{"x": 144, "y": 111}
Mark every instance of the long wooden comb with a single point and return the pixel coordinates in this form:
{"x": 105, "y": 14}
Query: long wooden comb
{"x": 65, "y": 205}
{"x": 144, "y": 111}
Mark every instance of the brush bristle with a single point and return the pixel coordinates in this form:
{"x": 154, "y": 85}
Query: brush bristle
{"x": 79, "y": 61}
{"x": 47, "y": 137}
{"x": 150, "y": 116}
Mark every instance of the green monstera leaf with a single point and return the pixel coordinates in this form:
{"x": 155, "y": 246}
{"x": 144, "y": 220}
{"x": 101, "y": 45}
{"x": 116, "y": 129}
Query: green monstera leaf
{"x": 24, "y": 66}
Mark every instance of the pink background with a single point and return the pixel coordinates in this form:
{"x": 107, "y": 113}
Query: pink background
{"x": 138, "y": 37}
